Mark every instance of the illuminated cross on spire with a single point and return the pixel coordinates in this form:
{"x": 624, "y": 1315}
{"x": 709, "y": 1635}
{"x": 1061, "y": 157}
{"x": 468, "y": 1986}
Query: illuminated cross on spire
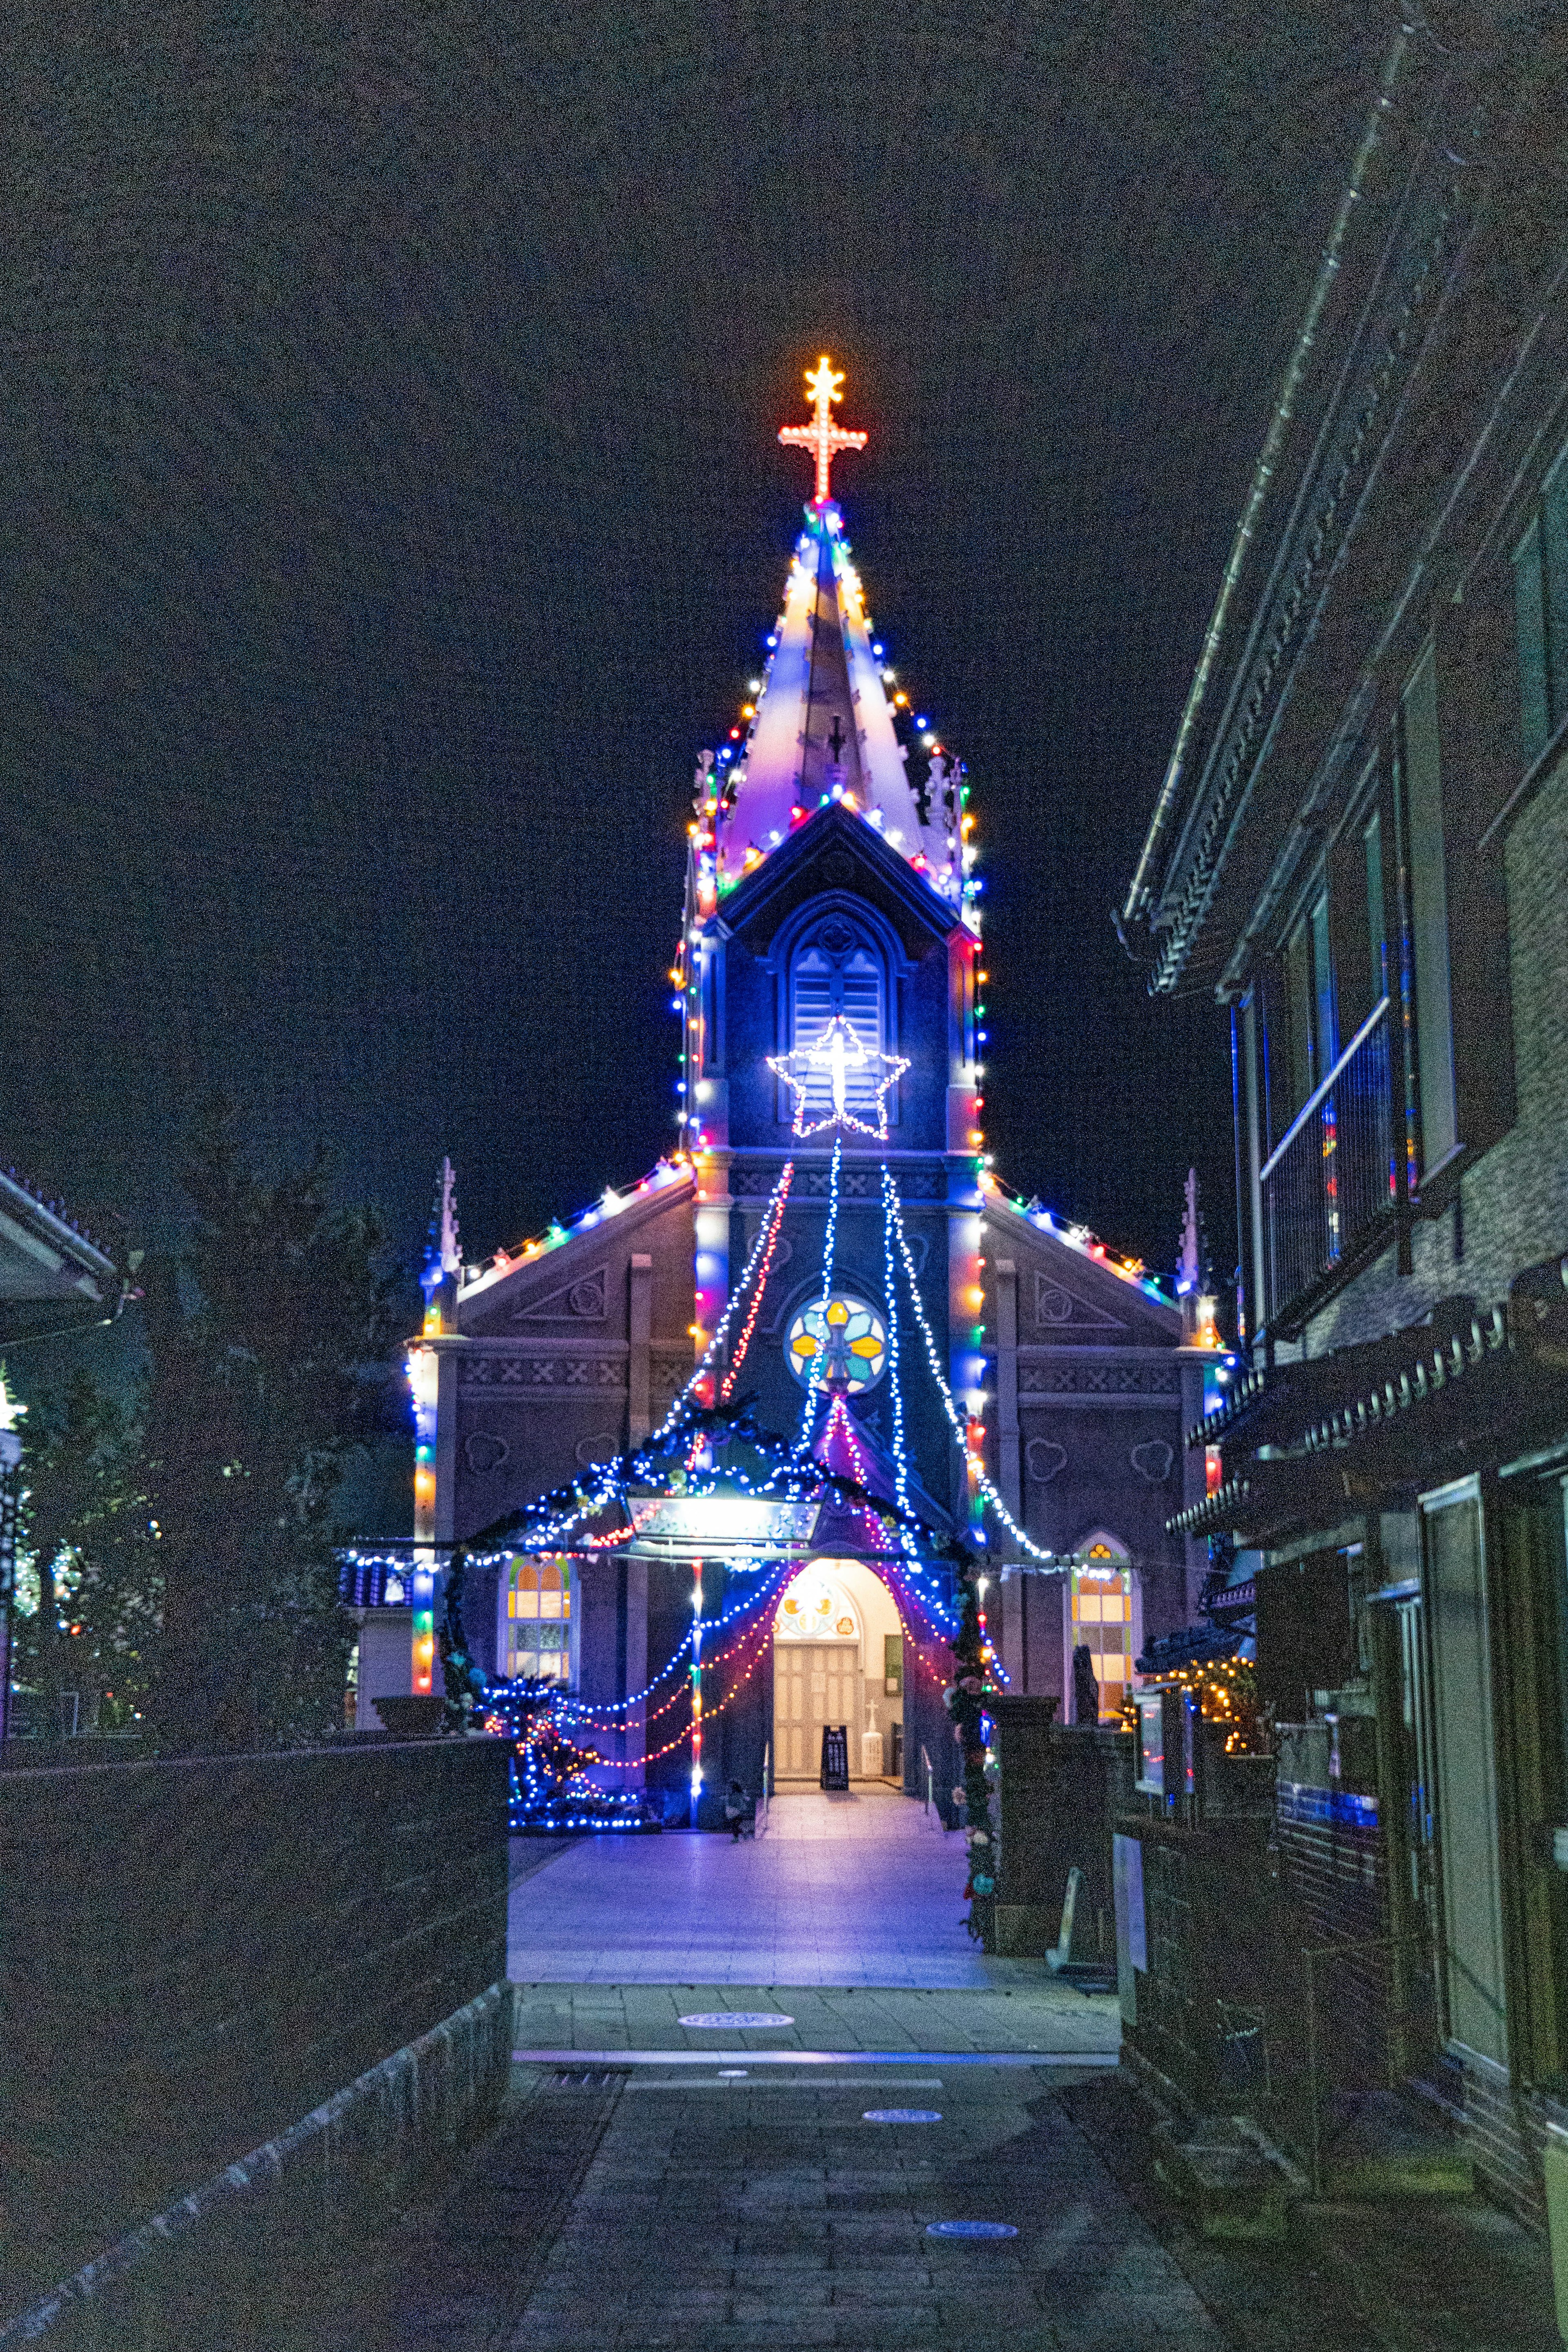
{"x": 822, "y": 436}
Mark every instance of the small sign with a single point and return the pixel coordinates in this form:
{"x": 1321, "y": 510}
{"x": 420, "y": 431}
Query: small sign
{"x": 836, "y": 1756}
{"x": 739, "y": 2020}
{"x": 721, "y": 1522}
{"x": 970, "y": 2230}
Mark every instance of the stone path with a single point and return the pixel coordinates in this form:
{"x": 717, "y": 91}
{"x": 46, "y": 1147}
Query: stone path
{"x": 622, "y": 2214}
{"x": 631, "y": 2211}
{"x": 774, "y": 2215}
{"x": 1033, "y": 2015}
{"x": 862, "y": 1889}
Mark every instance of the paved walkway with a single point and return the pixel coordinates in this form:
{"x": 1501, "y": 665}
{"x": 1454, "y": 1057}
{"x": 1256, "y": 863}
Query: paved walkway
{"x": 1033, "y": 2018}
{"x": 621, "y": 2210}
{"x": 723, "y": 2188}
{"x": 864, "y": 1889}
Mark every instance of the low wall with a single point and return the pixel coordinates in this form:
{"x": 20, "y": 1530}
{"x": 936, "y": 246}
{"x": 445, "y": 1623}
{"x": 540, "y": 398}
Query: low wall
{"x": 1212, "y": 2007}
{"x": 198, "y": 1952}
{"x": 243, "y": 2260}
{"x": 1059, "y": 1788}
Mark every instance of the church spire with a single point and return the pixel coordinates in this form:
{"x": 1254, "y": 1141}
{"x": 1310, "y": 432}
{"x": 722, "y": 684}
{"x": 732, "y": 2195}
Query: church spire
{"x": 822, "y": 727}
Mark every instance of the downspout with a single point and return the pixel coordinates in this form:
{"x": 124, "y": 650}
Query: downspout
{"x": 1142, "y": 888}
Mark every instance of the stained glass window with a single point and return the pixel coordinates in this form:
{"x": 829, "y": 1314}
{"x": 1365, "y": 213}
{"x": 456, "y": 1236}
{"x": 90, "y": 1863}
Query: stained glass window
{"x": 539, "y": 1617}
{"x": 843, "y": 1345}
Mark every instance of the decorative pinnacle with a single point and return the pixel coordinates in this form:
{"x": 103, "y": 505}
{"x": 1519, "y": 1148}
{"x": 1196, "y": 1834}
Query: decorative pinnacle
{"x": 822, "y": 436}
{"x": 442, "y": 1255}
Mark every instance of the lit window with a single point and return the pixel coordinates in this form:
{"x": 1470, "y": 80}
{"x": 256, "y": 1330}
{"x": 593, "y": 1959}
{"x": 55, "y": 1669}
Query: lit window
{"x": 843, "y": 1345}
{"x": 1102, "y": 1621}
{"x": 539, "y": 1617}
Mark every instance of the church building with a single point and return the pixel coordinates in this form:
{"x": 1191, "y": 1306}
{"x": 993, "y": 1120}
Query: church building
{"x": 830, "y": 1242}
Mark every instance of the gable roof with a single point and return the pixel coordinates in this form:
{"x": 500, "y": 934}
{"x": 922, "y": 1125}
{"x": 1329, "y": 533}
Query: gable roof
{"x": 834, "y": 849}
{"x": 527, "y": 1280}
{"x": 1098, "y": 1291}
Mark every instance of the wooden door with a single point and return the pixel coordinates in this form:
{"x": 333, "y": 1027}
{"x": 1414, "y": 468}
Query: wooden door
{"x": 813, "y": 1683}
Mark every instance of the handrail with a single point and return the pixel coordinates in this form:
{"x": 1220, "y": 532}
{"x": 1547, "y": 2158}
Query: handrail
{"x": 760, "y": 1818}
{"x": 931, "y": 1779}
{"x": 1315, "y": 1099}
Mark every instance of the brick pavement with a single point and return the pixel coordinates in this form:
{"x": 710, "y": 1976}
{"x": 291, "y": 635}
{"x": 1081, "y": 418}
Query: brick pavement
{"x": 715, "y": 2191}
{"x": 632, "y": 2211}
{"x": 1036, "y": 2013}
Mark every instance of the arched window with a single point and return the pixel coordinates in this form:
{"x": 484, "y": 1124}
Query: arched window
{"x": 539, "y": 1616}
{"x": 1103, "y": 1617}
{"x": 837, "y": 970}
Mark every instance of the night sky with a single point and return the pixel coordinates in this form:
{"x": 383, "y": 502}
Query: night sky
{"x": 390, "y": 509}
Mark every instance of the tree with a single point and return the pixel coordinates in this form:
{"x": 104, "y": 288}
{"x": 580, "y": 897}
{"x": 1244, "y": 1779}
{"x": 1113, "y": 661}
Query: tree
{"x": 84, "y": 1521}
{"x": 269, "y": 1339}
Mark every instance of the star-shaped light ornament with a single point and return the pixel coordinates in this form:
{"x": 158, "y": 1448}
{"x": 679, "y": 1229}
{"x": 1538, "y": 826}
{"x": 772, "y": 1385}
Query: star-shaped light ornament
{"x": 836, "y": 1052}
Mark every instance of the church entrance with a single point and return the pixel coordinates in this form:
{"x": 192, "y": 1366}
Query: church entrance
{"x": 839, "y": 1661}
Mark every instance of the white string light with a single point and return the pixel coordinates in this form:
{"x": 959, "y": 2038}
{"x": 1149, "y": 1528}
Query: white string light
{"x": 955, "y": 1418}
{"x": 721, "y": 1328}
{"x": 890, "y": 1289}
{"x": 829, "y": 1244}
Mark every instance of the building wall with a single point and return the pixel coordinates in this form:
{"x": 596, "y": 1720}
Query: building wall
{"x": 1513, "y": 1203}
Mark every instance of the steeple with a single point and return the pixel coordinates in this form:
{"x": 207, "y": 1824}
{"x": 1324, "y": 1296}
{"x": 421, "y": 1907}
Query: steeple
{"x": 822, "y": 727}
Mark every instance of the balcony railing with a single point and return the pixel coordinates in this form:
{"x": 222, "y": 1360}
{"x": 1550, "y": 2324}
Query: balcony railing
{"x": 1334, "y": 1177}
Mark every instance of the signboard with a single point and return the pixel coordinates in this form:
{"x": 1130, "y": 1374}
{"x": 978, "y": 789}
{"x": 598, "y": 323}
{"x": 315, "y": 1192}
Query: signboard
{"x": 721, "y": 1524}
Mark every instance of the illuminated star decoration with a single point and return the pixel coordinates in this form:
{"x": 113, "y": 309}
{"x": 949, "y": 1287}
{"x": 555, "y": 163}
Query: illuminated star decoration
{"x": 822, "y": 436}
{"x": 837, "y": 1051}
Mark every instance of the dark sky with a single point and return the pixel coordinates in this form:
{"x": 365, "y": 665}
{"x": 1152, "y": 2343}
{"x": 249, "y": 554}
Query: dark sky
{"x": 390, "y": 509}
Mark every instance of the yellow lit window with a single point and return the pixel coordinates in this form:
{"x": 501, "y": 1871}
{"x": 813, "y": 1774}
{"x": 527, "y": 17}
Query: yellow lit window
{"x": 539, "y": 1615}
{"x": 1102, "y": 1621}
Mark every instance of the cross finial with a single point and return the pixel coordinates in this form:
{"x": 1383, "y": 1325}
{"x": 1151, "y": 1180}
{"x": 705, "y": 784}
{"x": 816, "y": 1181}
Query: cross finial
{"x": 822, "y": 436}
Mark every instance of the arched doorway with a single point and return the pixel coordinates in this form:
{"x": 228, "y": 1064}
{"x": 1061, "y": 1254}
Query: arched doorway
{"x": 838, "y": 1658}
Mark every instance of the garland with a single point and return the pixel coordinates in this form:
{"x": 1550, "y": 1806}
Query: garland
{"x": 966, "y": 1703}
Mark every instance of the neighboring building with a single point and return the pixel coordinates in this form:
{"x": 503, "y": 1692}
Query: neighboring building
{"x": 831, "y": 990}
{"x": 1362, "y": 846}
{"x": 54, "y": 1280}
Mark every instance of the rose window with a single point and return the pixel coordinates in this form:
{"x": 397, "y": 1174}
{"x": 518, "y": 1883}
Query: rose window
{"x": 842, "y": 1346}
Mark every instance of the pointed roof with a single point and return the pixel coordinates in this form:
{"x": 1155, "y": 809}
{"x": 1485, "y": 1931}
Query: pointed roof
{"x": 844, "y": 1445}
{"x": 822, "y": 728}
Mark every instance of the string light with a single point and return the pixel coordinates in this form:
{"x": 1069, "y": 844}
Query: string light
{"x": 956, "y": 1421}
{"x": 829, "y": 1247}
{"x": 781, "y": 1195}
{"x": 710, "y": 1353}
